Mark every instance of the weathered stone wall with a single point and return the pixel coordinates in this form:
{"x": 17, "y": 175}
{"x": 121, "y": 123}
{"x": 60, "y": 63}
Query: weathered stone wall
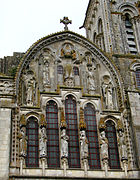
{"x": 5, "y": 129}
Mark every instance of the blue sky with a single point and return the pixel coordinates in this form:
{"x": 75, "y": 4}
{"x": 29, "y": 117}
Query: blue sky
{"x": 23, "y": 22}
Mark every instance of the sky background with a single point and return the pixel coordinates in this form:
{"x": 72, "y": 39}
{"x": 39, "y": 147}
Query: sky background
{"x": 23, "y": 22}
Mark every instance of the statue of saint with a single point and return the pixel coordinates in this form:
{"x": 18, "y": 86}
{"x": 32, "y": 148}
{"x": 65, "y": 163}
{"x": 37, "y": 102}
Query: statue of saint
{"x": 43, "y": 143}
{"x": 123, "y": 149}
{"x": 90, "y": 80}
{"x": 83, "y": 145}
{"x": 103, "y": 145}
{"x": 46, "y": 76}
{"x": 64, "y": 144}
{"x": 23, "y": 142}
{"x": 107, "y": 88}
{"x": 30, "y": 85}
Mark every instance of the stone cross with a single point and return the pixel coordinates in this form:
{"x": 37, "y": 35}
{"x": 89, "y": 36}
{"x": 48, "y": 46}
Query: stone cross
{"x": 65, "y": 21}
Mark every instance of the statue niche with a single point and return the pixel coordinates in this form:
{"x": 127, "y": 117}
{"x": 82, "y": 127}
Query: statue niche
{"x": 30, "y": 88}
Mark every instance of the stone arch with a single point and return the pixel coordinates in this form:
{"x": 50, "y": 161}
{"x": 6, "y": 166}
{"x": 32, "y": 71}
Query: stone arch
{"x": 128, "y": 8}
{"x": 81, "y": 41}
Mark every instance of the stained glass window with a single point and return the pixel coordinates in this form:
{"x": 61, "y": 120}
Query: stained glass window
{"x": 72, "y": 132}
{"x": 52, "y": 135}
{"x": 32, "y": 159}
{"x": 137, "y": 73}
{"x": 114, "y": 162}
{"x": 92, "y": 136}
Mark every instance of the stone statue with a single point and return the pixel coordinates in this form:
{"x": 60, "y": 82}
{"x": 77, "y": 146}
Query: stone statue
{"x": 64, "y": 144}
{"x": 23, "y": 142}
{"x": 43, "y": 143}
{"x": 107, "y": 89}
{"x": 84, "y": 145}
{"x": 90, "y": 80}
{"x": 123, "y": 149}
{"x": 30, "y": 85}
{"x": 103, "y": 145}
{"x": 46, "y": 76}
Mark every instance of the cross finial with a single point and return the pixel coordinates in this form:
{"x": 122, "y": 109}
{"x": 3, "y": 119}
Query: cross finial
{"x": 65, "y": 21}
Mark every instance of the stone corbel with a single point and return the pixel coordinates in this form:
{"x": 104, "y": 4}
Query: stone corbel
{"x": 102, "y": 125}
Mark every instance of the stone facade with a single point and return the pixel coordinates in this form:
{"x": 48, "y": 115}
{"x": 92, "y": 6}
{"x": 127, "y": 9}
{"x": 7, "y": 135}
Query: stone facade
{"x": 68, "y": 89}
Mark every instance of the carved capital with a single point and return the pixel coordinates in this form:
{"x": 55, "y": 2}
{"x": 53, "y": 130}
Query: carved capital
{"x": 43, "y": 122}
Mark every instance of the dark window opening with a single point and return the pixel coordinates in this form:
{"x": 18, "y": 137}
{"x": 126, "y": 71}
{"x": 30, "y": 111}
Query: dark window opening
{"x": 92, "y": 136}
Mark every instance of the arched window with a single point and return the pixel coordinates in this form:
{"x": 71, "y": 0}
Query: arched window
{"x": 130, "y": 35}
{"x": 114, "y": 161}
{"x": 52, "y": 135}
{"x": 137, "y": 73}
{"x": 32, "y": 159}
{"x": 59, "y": 69}
{"x": 72, "y": 131}
{"x": 92, "y": 136}
{"x": 76, "y": 70}
{"x": 94, "y": 37}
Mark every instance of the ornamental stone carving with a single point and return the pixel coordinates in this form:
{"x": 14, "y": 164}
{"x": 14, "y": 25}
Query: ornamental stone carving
{"x": 68, "y": 51}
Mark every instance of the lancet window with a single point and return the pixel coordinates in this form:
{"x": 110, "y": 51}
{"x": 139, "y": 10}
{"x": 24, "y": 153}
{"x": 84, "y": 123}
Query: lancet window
{"x": 32, "y": 159}
{"x": 130, "y": 35}
{"x": 137, "y": 73}
{"x": 114, "y": 162}
{"x": 52, "y": 135}
{"x": 72, "y": 132}
{"x": 92, "y": 136}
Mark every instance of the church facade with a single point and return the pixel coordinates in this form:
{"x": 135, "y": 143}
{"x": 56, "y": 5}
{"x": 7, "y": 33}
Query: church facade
{"x": 70, "y": 105}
